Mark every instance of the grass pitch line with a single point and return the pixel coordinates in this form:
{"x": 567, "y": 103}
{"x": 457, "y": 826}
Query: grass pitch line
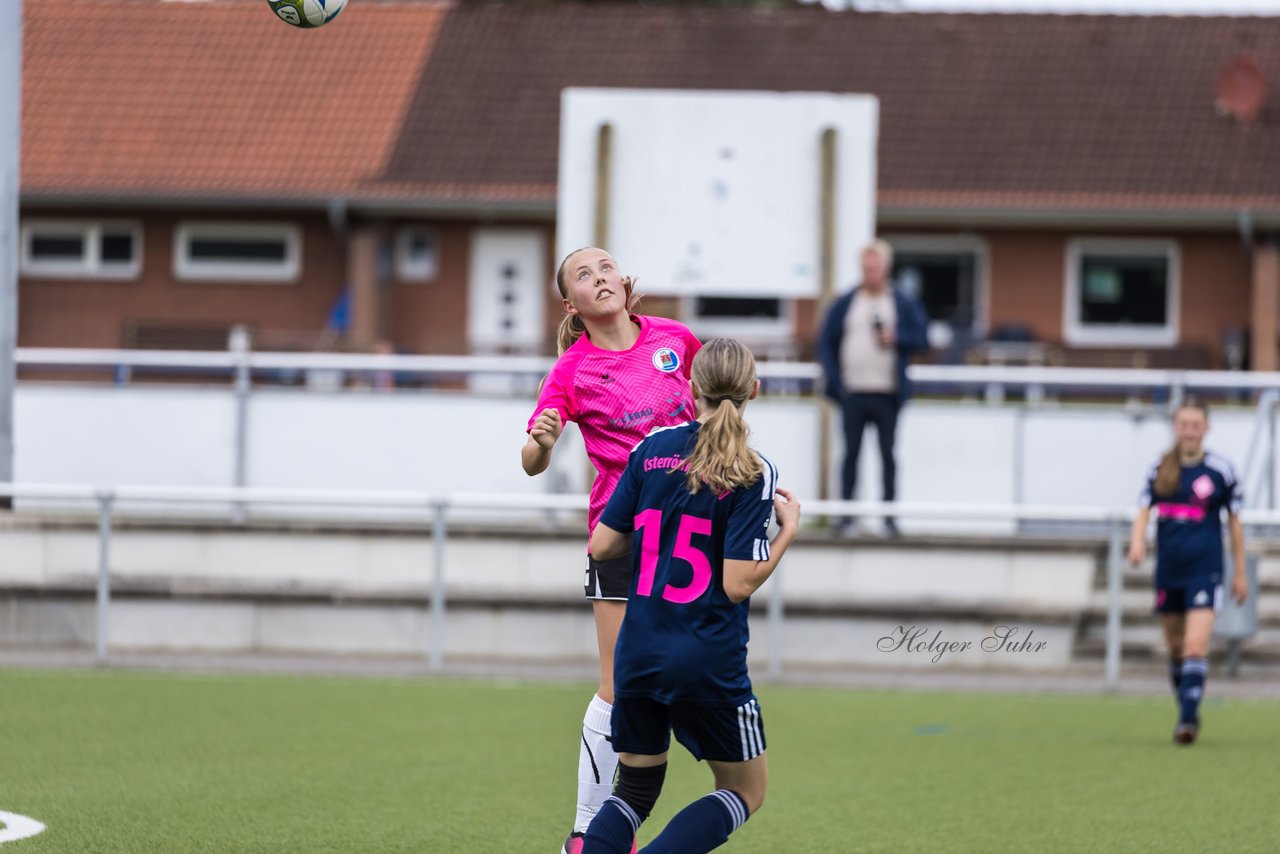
{"x": 14, "y": 827}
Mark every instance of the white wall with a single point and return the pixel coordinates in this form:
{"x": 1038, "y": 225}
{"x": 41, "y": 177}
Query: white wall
{"x": 457, "y": 442}
{"x": 435, "y": 442}
{"x": 1091, "y": 455}
{"x": 103, "y": 435}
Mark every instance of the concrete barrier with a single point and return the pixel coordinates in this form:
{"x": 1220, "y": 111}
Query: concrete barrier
{"x": 365, "y": 589}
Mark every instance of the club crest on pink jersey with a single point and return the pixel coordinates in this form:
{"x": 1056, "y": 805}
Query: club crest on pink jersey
{"x": 666, "y": 360}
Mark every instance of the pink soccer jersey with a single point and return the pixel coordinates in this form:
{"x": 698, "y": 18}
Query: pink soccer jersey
{"x": 617, "y": 396}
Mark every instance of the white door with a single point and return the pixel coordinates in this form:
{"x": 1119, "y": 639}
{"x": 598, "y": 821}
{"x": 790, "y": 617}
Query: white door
{"x": 507, "y": 290}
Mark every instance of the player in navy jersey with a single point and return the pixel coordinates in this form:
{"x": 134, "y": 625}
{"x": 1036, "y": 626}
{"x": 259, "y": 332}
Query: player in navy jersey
{"x": 1189, "y": 488}
{"x": 693, "y": 506}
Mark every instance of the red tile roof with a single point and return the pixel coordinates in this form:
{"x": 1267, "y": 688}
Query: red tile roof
{"x": 214, "y": 98}
{"x": 429, "y": 103}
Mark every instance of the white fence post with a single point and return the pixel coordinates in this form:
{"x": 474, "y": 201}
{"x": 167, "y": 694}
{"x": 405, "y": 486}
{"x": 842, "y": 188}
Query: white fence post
{"x": 105, "y": 500}
{"x": 1115, "y": 577}
{"x": 439, "y": 533}
{"x": 238, "y": 344}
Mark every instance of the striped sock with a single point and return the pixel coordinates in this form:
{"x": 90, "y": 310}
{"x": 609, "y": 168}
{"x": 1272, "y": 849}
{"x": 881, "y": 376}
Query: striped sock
{"x": 613, "y": 829}
{"x": 703, "y": 825}
{"x": 1194, "y": 672}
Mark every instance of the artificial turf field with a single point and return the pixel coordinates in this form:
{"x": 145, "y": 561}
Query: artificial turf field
{"x": 117, "y": 761}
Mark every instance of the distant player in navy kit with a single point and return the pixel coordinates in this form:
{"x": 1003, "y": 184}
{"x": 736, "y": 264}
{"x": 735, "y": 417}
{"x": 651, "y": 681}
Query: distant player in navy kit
{"x": 698, "y": 501}
{"x": 1189, "y": 488}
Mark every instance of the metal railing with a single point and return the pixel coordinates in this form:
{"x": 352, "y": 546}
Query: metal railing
{"x": 436, "y": 508}
{"x": 240, "y": 361}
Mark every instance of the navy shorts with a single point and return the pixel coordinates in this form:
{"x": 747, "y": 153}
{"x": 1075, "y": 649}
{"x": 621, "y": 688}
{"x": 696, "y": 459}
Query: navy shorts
{"x": 608, "y": 579}
{"x": 722, "y": 733}
{"x": 1196, "y": 594}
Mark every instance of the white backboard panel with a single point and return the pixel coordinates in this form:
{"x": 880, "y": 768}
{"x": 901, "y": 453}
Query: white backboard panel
{"x": 718, "y": 193}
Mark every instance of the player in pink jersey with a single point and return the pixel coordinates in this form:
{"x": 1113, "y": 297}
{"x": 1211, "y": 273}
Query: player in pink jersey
{"x": 619, "y": 375}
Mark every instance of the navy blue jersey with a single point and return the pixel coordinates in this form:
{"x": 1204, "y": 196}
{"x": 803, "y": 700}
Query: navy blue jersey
{"x": 1189, "y": 530}
{"x": 682, "y": 638}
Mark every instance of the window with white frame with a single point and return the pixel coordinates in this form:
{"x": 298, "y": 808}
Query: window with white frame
{"x": 91, "y": 250}
{"x": 237, "y": 251}
{"x": 947, "y": 275}
{"x": 753, "y": 317}
{"x": 417, "y": 254}
{"x": 1121, "y": 292}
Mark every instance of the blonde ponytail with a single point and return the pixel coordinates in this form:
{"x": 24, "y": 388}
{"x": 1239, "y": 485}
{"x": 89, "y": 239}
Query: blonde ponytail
{"x": 569, "y": 331}
{"x": 571, "y": 327}
{"x": 724, "y": 375}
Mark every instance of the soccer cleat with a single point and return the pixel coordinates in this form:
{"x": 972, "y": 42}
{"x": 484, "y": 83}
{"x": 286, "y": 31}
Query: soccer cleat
{"x": 573, "y": 845}
{"x": 1186, "y": 733}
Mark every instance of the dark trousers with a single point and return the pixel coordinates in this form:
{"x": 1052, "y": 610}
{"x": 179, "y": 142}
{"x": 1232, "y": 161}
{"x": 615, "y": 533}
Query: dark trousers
{"x": 858, "y": 409}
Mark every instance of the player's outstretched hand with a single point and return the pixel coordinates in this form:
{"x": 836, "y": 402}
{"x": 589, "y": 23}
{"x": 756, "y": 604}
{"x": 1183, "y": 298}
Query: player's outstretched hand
{"x": 787, "y": 508}
{"x": 546, "y": 427}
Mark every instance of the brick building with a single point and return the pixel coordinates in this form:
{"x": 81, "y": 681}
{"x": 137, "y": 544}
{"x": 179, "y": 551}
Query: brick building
{"x": 191, "y": 166}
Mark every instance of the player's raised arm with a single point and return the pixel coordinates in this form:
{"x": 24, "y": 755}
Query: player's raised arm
{"x": 535, "y": 456}
{"x": 744, "y": 577}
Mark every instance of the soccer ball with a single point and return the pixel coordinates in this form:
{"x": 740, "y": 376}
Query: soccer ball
{"x": 306, "y": 13}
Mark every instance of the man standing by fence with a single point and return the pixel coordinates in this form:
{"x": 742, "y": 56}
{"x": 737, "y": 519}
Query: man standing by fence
{"x": 866, "y": 339}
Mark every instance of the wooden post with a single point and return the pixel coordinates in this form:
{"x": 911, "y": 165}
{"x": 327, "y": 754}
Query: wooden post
{"x": 1266, "y": 308}
{"x": 827, "y": 258}
{"x": 604, "y": 196}
{"x": 604, "y": 187}
{"x": 827, "y": 284}
{"x": 362, "y": 274}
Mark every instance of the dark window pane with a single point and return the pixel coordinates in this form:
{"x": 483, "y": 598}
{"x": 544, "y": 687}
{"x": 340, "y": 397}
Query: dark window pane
{"x": 59, "y": 248}
{"x": 739, "y": 307}
{"x": 117, "y": 247}
{"x": 237, "y": 249}
{"x": 945, "y": 282}
{"x": 421, "y": 248}
{"x": 419, "y": 256}
{"x": 1129, "y": 291}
